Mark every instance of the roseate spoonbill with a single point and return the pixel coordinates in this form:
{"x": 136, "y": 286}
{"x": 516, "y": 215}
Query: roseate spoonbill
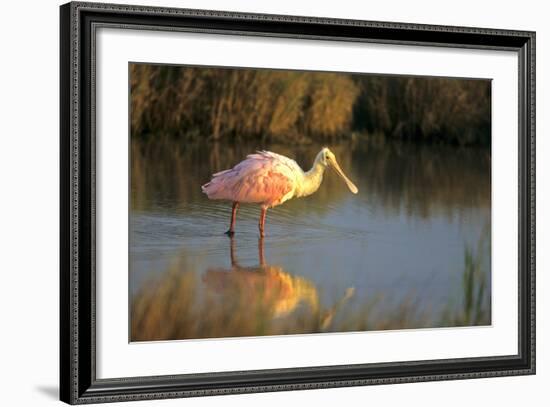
{"x": 269, "y": 179}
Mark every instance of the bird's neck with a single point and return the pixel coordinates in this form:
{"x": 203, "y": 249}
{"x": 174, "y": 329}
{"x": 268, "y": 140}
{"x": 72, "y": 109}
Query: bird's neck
{"x": 312, "y": 179}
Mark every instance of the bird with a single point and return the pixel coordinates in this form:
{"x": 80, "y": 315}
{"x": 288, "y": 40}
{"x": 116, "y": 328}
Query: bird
{"x": 270, "y": 179}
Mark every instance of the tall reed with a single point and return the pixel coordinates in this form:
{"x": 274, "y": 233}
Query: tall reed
{"x": 300, "y": 107}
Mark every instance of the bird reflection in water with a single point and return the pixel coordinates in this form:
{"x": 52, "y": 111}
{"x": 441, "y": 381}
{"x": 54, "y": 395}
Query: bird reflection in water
{"x": 220, "y": 302}
{"x": 277, "y": 291}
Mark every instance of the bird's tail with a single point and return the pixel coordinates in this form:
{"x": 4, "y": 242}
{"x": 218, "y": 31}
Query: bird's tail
{"x": 218, "y": 186}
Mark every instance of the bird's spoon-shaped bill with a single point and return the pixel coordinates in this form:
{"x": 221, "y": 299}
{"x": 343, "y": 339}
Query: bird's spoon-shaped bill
{"x": 348, "y": 182}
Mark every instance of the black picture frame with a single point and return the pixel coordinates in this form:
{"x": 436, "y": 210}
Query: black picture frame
{"x": 78, "y": 382}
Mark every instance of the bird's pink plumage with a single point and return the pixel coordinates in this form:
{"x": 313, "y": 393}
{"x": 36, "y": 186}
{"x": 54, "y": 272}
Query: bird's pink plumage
{"x": 258, "y": 179}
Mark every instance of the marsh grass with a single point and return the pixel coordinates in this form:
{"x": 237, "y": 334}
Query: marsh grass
{"x": 475, "y": 301}
{"x": 239, "y": 103}
{"x": 235, "y": 104}
{"x": 440, "y": 110}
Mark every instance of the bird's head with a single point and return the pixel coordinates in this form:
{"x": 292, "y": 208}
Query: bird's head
{"x": 328, "y": 159}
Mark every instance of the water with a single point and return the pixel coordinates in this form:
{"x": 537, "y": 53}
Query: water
{"x": 410, "y": 250}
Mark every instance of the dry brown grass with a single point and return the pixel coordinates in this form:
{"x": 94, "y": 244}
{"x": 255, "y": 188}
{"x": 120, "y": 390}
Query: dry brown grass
{"x": 454, "y": 111}
{"x": 239, "y": 103}
{"x": 292, "y": 106}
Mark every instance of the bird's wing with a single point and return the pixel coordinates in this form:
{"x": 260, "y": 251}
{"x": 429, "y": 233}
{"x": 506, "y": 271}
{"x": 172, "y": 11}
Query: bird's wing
{"x": 263, "y": 177}
{"x": 285, "y": 165}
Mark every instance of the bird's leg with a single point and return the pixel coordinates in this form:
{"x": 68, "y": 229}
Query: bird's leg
{"x": 231, "y": 230}
{"x": 262, "y": 221}
{"x": 261, "y": 251}
{"x": 234, "y": 263}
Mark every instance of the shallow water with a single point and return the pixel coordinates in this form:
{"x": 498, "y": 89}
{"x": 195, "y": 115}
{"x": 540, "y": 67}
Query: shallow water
{"x": 396, "y": 255}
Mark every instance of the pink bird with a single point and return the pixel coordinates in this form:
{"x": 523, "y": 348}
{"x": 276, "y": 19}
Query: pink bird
{"x": 269, "y": 179}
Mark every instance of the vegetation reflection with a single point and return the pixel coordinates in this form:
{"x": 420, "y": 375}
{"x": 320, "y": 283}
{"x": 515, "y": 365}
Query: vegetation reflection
{"x": 240, "y": 301}
{"x": 393, "y": 177}
{"x": 268, "y": 300}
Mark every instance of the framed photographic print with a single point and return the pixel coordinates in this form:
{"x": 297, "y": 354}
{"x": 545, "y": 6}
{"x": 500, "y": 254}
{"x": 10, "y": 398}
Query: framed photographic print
{"x": 256, "y": 203}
